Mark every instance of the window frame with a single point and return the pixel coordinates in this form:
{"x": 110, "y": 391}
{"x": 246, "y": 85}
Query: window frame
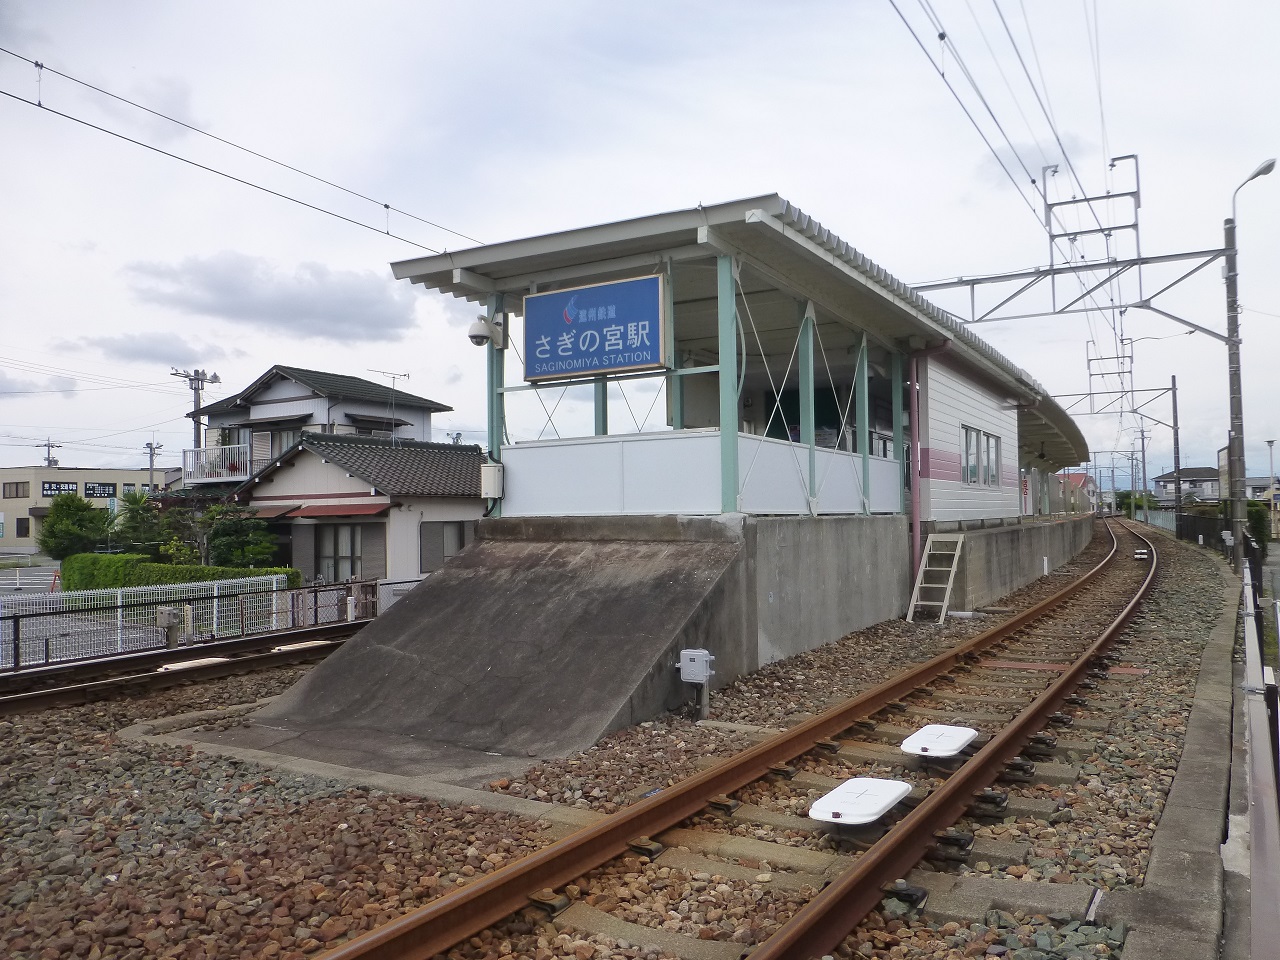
{"x": 991, "y": 465}
{"x": 16, "y": 490}
{"x": 970, "y": 455}
{"x": 333, "y": 565}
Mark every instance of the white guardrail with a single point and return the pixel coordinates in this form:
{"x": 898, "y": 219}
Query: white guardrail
{"x": 37, "y": 629}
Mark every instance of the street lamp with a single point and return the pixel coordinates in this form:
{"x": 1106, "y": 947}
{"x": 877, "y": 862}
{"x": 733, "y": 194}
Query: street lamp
{"x": 1235, "y": 442}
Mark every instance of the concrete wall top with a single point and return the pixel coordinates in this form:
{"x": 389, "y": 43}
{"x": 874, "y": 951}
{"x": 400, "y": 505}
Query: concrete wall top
{"x": 725, "y": 528}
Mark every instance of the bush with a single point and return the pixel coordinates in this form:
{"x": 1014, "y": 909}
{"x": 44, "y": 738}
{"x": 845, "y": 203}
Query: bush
{"x": 151, "y": 574}
{"x": 98, "y": 571}
{"x": 104, "y": 571}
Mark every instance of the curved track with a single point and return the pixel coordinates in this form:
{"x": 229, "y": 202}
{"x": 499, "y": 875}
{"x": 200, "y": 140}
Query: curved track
{"x": 1047, "y": 639}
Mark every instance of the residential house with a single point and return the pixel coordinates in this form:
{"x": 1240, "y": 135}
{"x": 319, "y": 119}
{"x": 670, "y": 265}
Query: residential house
{"x": 1082, "y": 491}
{"x": 1199, "y": 483}
{"x": 359, "y": 507}
{"x": 1257, "y": 488}
{"x": 268, "y": 417}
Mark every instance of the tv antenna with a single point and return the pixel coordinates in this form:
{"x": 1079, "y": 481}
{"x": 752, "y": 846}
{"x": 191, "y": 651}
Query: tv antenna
{"x": 392, "y": 418}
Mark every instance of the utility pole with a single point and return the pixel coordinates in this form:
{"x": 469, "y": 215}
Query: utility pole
{"x": 1133, "y": 483}
{"x": 152, "y": 449}
{"x": 49, "y": 447}
{"x": 1142, "y": 436}
{"x": 1113, "y": 484}
{"x": 1177, "y": 466}
{"x": 196, "y": 379}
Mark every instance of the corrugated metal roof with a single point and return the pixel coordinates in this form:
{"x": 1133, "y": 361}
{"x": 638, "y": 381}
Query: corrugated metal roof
{"x": 509, "y": 267}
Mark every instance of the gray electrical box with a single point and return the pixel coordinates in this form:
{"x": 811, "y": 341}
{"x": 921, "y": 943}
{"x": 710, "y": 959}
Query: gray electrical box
{"x": 491, "y": 481}
{"x": 695, "y": 666}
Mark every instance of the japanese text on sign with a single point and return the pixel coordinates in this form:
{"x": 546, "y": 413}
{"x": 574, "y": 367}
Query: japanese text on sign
{"x": 99, "y": 491}
{"x": 589, "y": 331}
{"x": 51, "y": 488}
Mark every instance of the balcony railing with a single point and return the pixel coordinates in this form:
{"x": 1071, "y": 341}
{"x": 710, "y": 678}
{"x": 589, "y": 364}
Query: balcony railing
{"x": 219, "y": 464}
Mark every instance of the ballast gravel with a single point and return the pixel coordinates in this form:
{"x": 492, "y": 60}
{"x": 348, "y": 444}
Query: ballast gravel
{"x": 118, "y": 849}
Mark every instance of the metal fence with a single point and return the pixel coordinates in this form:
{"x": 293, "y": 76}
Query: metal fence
{"x": 18, "y": 579}
{"x": 43, "y": 629}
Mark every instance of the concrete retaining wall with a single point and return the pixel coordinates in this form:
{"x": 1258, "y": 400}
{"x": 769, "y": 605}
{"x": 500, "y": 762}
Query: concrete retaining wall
{"x": 548, "y": 633}
{"x": 996, "y": 561}
{"x": 818, "y": 579}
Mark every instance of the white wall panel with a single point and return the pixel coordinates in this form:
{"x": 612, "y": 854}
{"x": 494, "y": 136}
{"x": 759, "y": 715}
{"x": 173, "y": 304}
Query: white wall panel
{"x": 679, "y": 472}
{"x": 952, "y": 401}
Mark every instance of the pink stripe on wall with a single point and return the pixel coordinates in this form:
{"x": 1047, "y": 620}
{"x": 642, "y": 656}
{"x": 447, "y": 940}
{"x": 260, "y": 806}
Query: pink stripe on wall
{"x": 939, "y": 464}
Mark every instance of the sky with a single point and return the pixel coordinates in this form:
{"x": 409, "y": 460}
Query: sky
{"x": 505, "y": 120}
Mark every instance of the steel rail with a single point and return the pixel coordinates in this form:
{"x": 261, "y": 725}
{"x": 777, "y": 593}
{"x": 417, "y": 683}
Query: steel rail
{"x": 29, "y": 701}
{"x": 455, "y": 916}
{"x": 150, "y": 659}
{"x": 820, "y": 926}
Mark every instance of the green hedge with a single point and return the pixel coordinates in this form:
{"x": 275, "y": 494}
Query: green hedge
{"x": 111, "y": 571}
{"x": 98, "y": 571}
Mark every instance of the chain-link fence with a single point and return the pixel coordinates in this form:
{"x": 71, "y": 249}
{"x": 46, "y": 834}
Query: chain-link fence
{"x": 43, "y": 629}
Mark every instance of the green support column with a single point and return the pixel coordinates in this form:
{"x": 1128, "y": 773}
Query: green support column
{"x": 727, "y": 316}
{"x": 864, "y": 423}
{"x": 806, "y": 398}
{"x": 675, "y": 385}
{"x": 497, "y": 403}
{"x": 602, "y": 406}
{"x": 899, "y": 445}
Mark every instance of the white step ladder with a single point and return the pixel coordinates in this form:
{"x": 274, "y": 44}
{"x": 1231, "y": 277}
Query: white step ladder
{"x": 937, "y": 574}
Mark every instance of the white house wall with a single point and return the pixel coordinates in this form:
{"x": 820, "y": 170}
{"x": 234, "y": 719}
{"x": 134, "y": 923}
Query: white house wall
{"x": 403, "y": 561}
{"x": 308, "y": 479}
{"x": 949, "y": 401}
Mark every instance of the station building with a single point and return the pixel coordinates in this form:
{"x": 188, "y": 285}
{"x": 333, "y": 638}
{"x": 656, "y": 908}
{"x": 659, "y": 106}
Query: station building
{"x": 822, "y": 419}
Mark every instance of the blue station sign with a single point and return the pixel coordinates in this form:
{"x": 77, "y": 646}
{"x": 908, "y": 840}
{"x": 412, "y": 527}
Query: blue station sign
{"x": 591, "y": 331}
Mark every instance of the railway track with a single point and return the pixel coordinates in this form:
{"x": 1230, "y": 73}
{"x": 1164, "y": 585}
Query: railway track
{"x": 132, "y": 673}
{"x": 1007, "y": 685}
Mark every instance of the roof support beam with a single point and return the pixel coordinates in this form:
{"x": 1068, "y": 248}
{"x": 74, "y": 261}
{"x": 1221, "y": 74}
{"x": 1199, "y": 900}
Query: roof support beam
{"x": 520, "y": 284}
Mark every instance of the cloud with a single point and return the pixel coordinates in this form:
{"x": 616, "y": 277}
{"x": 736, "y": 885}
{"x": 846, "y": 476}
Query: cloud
{"x": 16, "y": 33}
{"x": 169, "y": 349}
{"x": 16, "y": 386}
{"x": 313, "y": 302}
{"x": 165, "y": 95}
{"x": 453, "y": 376}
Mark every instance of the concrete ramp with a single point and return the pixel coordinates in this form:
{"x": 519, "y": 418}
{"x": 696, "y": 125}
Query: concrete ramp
{"x": 531, "y": 647}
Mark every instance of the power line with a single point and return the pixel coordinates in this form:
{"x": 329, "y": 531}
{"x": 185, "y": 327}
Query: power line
{"x": 208, "y": 169}
{"x": 1053, "y": 127}
{"x": 212, "y": 136}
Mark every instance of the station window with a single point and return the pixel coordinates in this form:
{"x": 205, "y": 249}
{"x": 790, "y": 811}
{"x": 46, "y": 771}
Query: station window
{"x": 991, "y": 460}
{"x": 24, "y": 527}
{"x": 972, "y": 451}
{"x": 338, "y": 552}
{"x": 981, "y": 453}
{"x": 14, "y": 491}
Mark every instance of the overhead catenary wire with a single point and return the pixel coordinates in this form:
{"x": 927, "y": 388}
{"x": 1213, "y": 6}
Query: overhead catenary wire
{"x": 215, "y": 170}
{"x": 41, "y": 67}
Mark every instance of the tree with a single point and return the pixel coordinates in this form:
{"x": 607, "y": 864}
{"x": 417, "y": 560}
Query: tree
{"x": 73, "y": 525}
{"x": 236, "y": 537}
{"x": 137, "y": 525}
{"x": 181, "y": 540}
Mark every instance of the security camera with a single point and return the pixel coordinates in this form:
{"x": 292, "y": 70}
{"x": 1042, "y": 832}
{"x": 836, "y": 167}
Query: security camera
{"x": 479, "y": 332}
{"x": 484, "y": 330}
